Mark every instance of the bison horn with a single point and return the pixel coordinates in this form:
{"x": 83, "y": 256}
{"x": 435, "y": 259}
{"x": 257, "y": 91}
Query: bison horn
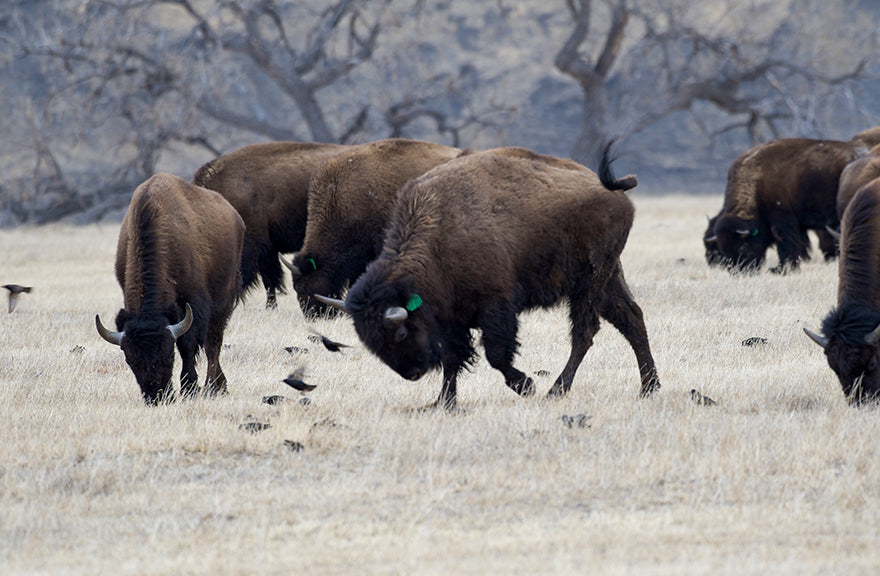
{"x": 338, "y": 304}
{"x": 833, "y": 232}
{"x": 179, "y": 329}
{"x": 873, "y": 336}
{"x": 294, "y": 269}
{"x": 820, "y": 340}
{"x": 114, "y": 338}
{"x": 396, "y": 314}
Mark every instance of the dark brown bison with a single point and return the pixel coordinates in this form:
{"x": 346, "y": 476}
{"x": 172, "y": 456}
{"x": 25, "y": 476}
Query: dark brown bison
{"x": 268, "y": 184}
{"x": 350, "y": 201}
{"x": 775, "y": 193}
{"x": 851, "y": 331}
{"x": 481, "y": 238}
{"x": 855, "y": 175}
{"x": 177, "y": 262}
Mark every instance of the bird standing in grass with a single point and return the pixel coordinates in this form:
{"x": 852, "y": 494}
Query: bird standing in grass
{"x": 14, "y": 291}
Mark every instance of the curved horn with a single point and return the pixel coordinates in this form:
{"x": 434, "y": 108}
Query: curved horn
{"x": 711, "y": 239}
{"x": 114, "y": 338}
{"x": 820, "y": 340}
{"x": 833, "y": 232}
{"x": 338, "y": 304}
{"x": 873, "y": 336}
{"x": 294, "y": 270}
{"x": 396, "y": 314}
{"x": 179, "y": 329}
{"x": 743, "y": 232}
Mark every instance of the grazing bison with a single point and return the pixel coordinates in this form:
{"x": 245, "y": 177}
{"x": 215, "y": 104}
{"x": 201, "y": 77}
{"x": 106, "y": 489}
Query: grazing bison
{"x": 851, "y": 331}
{"x": 178, "y": 255}
{"x": 350, "y": 201}
{"x": 481, "y": 238}
{"x": 775, "y": 193}
{"x": 855, "y": 175}
{"x": 268, "y": 184}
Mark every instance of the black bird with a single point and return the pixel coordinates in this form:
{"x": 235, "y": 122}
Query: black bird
{"x": 295, "y": 380}
{"x": 328, "y": 343}
{"x": 701, "y": 399}
{"x": 14, "y": 291}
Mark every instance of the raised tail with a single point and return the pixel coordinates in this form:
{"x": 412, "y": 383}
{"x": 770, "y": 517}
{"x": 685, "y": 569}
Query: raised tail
{"x": 606, "y": 175}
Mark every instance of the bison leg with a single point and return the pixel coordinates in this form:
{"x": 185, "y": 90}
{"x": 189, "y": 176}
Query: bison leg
{"x": 446, "y": 399}
{"x": 584, "y": 325}
{"x": 272, "y": 276}
{"x": 215, "y": 381}
{"x": 619, "y": 308}
{"x": 792, "y": 245}
{"x": 189, "y": 380}
{"x": 828, "y": 244}
{"x": 499, "y": 326}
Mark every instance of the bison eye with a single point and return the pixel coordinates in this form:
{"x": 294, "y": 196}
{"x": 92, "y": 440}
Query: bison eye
{"x": 400, "y": 335}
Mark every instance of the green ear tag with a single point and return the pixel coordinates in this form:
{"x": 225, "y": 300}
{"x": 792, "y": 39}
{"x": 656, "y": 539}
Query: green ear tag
{"x": 312, "y": 262}
{"x": 414, "y": 302}
{"x": 755, "y": 233}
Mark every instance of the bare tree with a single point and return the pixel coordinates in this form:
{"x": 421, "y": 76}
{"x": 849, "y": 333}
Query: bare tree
{"x": 760, "y": 63}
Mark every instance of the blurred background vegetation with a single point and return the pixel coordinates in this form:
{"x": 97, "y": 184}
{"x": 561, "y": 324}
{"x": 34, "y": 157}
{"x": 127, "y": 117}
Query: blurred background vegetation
{"x": 98, "y": 95}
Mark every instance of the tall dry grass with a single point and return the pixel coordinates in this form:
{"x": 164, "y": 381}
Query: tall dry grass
{"x": 781, "y": 476}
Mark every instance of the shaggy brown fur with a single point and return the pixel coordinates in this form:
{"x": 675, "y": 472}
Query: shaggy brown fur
{"x": 268, "y": 184}
{"x": 775, "y": 193}
{"x": 479, "y": 240}
{"x": 350, "y": 201}
{"x": 868, "y": 138}
{"x": 179, "y": 244}
{"x": 856, "y": 174}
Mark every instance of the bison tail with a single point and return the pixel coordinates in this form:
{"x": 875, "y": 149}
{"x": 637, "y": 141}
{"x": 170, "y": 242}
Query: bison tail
{"x": 606, "y": 175}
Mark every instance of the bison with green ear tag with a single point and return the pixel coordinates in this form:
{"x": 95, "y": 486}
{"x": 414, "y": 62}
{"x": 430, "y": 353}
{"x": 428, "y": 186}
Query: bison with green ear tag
{"x": 478, "y": 240}
{"x": 177, "y": 261}
{"x": 851, "y": 331}
{"x": 776, "y": 193}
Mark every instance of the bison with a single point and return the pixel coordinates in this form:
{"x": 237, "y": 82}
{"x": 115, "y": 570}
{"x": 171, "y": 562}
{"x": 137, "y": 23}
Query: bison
{"x": 268, "y": 184}
{"x": 177, "y": 262}
{"x": 483, "y": 237}
{"x": 855, "y": 175}
{"x": 349, "y": 203}
{"x": 775, "y": 193}
{"x": 851, "y": 331}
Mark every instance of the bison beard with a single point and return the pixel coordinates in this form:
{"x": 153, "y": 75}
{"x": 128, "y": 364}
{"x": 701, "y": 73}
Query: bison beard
{"x": 476, "y": 241}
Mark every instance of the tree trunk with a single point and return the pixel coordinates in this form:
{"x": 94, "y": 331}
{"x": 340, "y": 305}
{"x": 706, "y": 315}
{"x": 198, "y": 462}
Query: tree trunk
{"x": 591, "y": 138}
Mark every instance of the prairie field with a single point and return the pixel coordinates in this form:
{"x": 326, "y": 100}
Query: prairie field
{"x": 780, "y": 476}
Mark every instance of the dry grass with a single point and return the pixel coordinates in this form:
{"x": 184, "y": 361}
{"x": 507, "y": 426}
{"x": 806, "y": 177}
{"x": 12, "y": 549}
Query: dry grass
{"x": 780, "y": 477}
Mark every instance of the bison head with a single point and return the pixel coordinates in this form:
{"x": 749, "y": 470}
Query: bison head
{"x": 148, "y": 344}
{"x": 312, "y": 275}
{"x": 710, "y": 243}
{"x": 852, "y": 345}
{"x": 395, "y": 325}
{"x": 742, "y": 243}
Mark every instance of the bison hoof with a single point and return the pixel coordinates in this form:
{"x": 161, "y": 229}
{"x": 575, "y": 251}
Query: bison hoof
{"x": 524, "y": 387}
{"x": 649, "y": 388}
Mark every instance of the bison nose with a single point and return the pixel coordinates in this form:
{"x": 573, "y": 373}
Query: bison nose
{"x": 414, "y": 374}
